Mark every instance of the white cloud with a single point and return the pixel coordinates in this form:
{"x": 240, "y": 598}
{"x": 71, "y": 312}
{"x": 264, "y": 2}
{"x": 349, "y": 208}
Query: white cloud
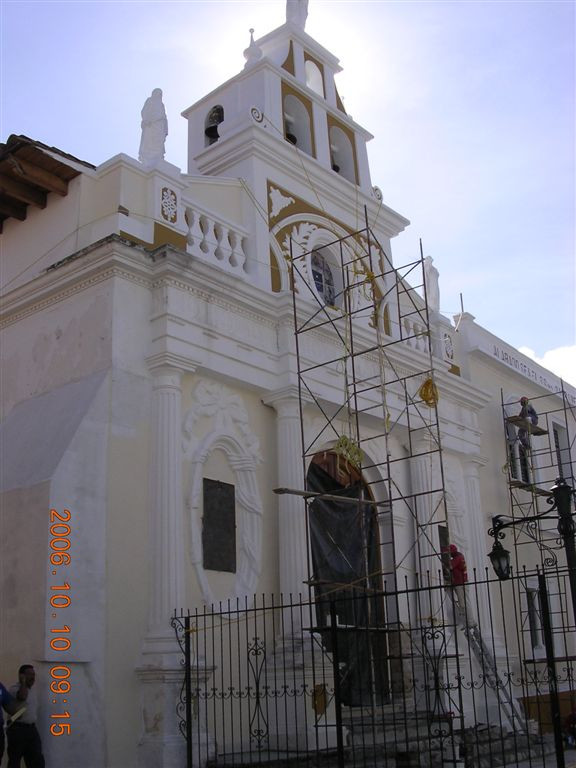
{"x": 561, "y": 361}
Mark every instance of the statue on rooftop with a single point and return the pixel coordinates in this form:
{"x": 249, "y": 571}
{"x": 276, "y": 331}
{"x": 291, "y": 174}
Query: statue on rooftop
{"x": 431, "y": 275}
{"x": 154, "y": 130}
{"x": 297, "y": 12}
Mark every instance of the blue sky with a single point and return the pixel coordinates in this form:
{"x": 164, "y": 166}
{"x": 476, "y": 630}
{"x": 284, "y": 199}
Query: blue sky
{"x": 472, "y": 105}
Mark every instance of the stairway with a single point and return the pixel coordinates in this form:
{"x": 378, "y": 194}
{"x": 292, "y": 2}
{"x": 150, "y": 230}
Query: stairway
{"x": 407, "y": 743}
{"x": 487, "y": 747}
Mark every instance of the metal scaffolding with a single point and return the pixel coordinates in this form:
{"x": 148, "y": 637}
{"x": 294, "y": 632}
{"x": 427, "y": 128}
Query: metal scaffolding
{"x": 364, "y": 358}
{"x": 539, "y": 450}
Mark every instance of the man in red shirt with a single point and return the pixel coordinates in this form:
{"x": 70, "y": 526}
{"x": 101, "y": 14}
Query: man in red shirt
{"x": 458, "y": 579}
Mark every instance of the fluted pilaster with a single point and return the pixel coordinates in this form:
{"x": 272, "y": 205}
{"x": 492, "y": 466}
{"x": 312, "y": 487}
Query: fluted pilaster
{"x": 292, "y": 534}
{"x": 166, "y": 534}
{"x": 427, "y": 504}
{"x": 478, "y": 526}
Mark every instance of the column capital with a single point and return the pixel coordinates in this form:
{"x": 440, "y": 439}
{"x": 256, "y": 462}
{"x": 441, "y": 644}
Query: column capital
{"x": 425, "y": 441}
{"x": 474, "y": 462}
{"x": 286, "y": 401}
{"x": 166, "y": 379}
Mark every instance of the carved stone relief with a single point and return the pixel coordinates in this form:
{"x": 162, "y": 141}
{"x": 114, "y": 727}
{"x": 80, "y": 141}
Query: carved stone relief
{"x": 169, "y": 205}
{"x": 278, "y": 201}
{"x": 360, "y": 282}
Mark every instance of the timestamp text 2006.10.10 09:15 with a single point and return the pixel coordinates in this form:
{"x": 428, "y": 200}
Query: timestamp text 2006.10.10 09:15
{"x": 60, "y": 600}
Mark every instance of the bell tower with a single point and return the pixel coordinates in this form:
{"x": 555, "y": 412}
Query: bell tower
{"x": 280, "y": 130}
{"x": 284, "y": 98}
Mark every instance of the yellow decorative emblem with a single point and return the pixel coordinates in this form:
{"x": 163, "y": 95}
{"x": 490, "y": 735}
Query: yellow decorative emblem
{"x": 429, "y": 393}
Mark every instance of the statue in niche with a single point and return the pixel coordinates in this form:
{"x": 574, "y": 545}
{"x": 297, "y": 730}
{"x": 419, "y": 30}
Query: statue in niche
{"x": 154, "y": 130}
{"x": 432, "y": 288}
{"x": 297, "y": 12}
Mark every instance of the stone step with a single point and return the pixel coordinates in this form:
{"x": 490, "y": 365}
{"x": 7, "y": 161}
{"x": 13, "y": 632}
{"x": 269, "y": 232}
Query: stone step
{"x": 486, "y": 747}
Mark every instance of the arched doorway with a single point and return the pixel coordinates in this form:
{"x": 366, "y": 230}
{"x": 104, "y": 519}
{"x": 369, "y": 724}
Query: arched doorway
{"x": 346, "y": 575}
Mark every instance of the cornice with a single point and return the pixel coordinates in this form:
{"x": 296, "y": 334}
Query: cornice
{"x": 109, "y": 258}
{"x": 474, "y": 460}
{"x": 462, "y": 392}
{"x": 218, "y": 292}
{"x": 405, "y": 362}
{"x": 114, "y": 257}
{"x": 545, "y": 382}
{"x": 167, "y": 361}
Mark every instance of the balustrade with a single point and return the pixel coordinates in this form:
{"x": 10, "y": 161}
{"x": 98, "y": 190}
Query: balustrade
{"x": 216, "y": 241}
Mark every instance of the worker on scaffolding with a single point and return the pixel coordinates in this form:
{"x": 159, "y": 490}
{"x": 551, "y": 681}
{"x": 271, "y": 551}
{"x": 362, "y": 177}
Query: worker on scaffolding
{"x": 528, "y": 413}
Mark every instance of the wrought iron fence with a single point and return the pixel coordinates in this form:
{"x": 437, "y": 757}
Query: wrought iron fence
{"x": 418, "y": 676}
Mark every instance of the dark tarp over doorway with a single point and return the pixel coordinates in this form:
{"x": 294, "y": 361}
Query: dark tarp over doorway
{"x": 346, "y": 569}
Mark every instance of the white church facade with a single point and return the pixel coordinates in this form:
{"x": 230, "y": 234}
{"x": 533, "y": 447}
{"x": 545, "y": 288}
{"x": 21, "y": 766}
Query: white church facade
{"x": 176, "y": 347}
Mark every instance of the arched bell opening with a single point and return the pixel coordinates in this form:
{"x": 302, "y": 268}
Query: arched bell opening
{"x": 213, "y": 120}
{"x": 342, "y": 154}
{"x": 347, "y": 577}
{"x": 314, "y": 77}
{"x": 297, "y": 124}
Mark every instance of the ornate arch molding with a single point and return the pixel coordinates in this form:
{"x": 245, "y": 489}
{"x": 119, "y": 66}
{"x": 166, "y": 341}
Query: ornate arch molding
{"x": 312, "y": 230}
{"x": 232, "y": 435}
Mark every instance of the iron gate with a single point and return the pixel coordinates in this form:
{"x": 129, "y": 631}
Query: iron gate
{"x": 486, "y": 683}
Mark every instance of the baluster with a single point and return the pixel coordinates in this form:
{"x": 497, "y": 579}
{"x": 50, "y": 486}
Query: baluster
{"x": 232, "y": 240}
{"x": 418, "y": 339}
{"x": 422, "y": 337}
{"x": 195, "y": 235}
{"x": 408, "y": 330}
{"x": 222, "y": 251}
{"x": 209, "y": 242}
{"x": 237, "y": 255}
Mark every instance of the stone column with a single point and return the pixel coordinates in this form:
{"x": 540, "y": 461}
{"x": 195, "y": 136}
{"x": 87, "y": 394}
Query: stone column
{"x": 292, "y": 534}
{"x": 479, "y": 542}
{"x": 161, "y": 673}
{"x": 428, "y": 505}
{"x": 479, "y": 546}
{"x": 297, "y": 654}
{"x": 429, "y": 510}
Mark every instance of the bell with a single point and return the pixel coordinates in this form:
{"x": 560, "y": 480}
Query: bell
{"x": 212, "y": 133}
{"x": 215, "y": 117}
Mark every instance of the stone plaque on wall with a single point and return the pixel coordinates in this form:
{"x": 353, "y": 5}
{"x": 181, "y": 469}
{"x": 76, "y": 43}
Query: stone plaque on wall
{"x": 219, "y": 527}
